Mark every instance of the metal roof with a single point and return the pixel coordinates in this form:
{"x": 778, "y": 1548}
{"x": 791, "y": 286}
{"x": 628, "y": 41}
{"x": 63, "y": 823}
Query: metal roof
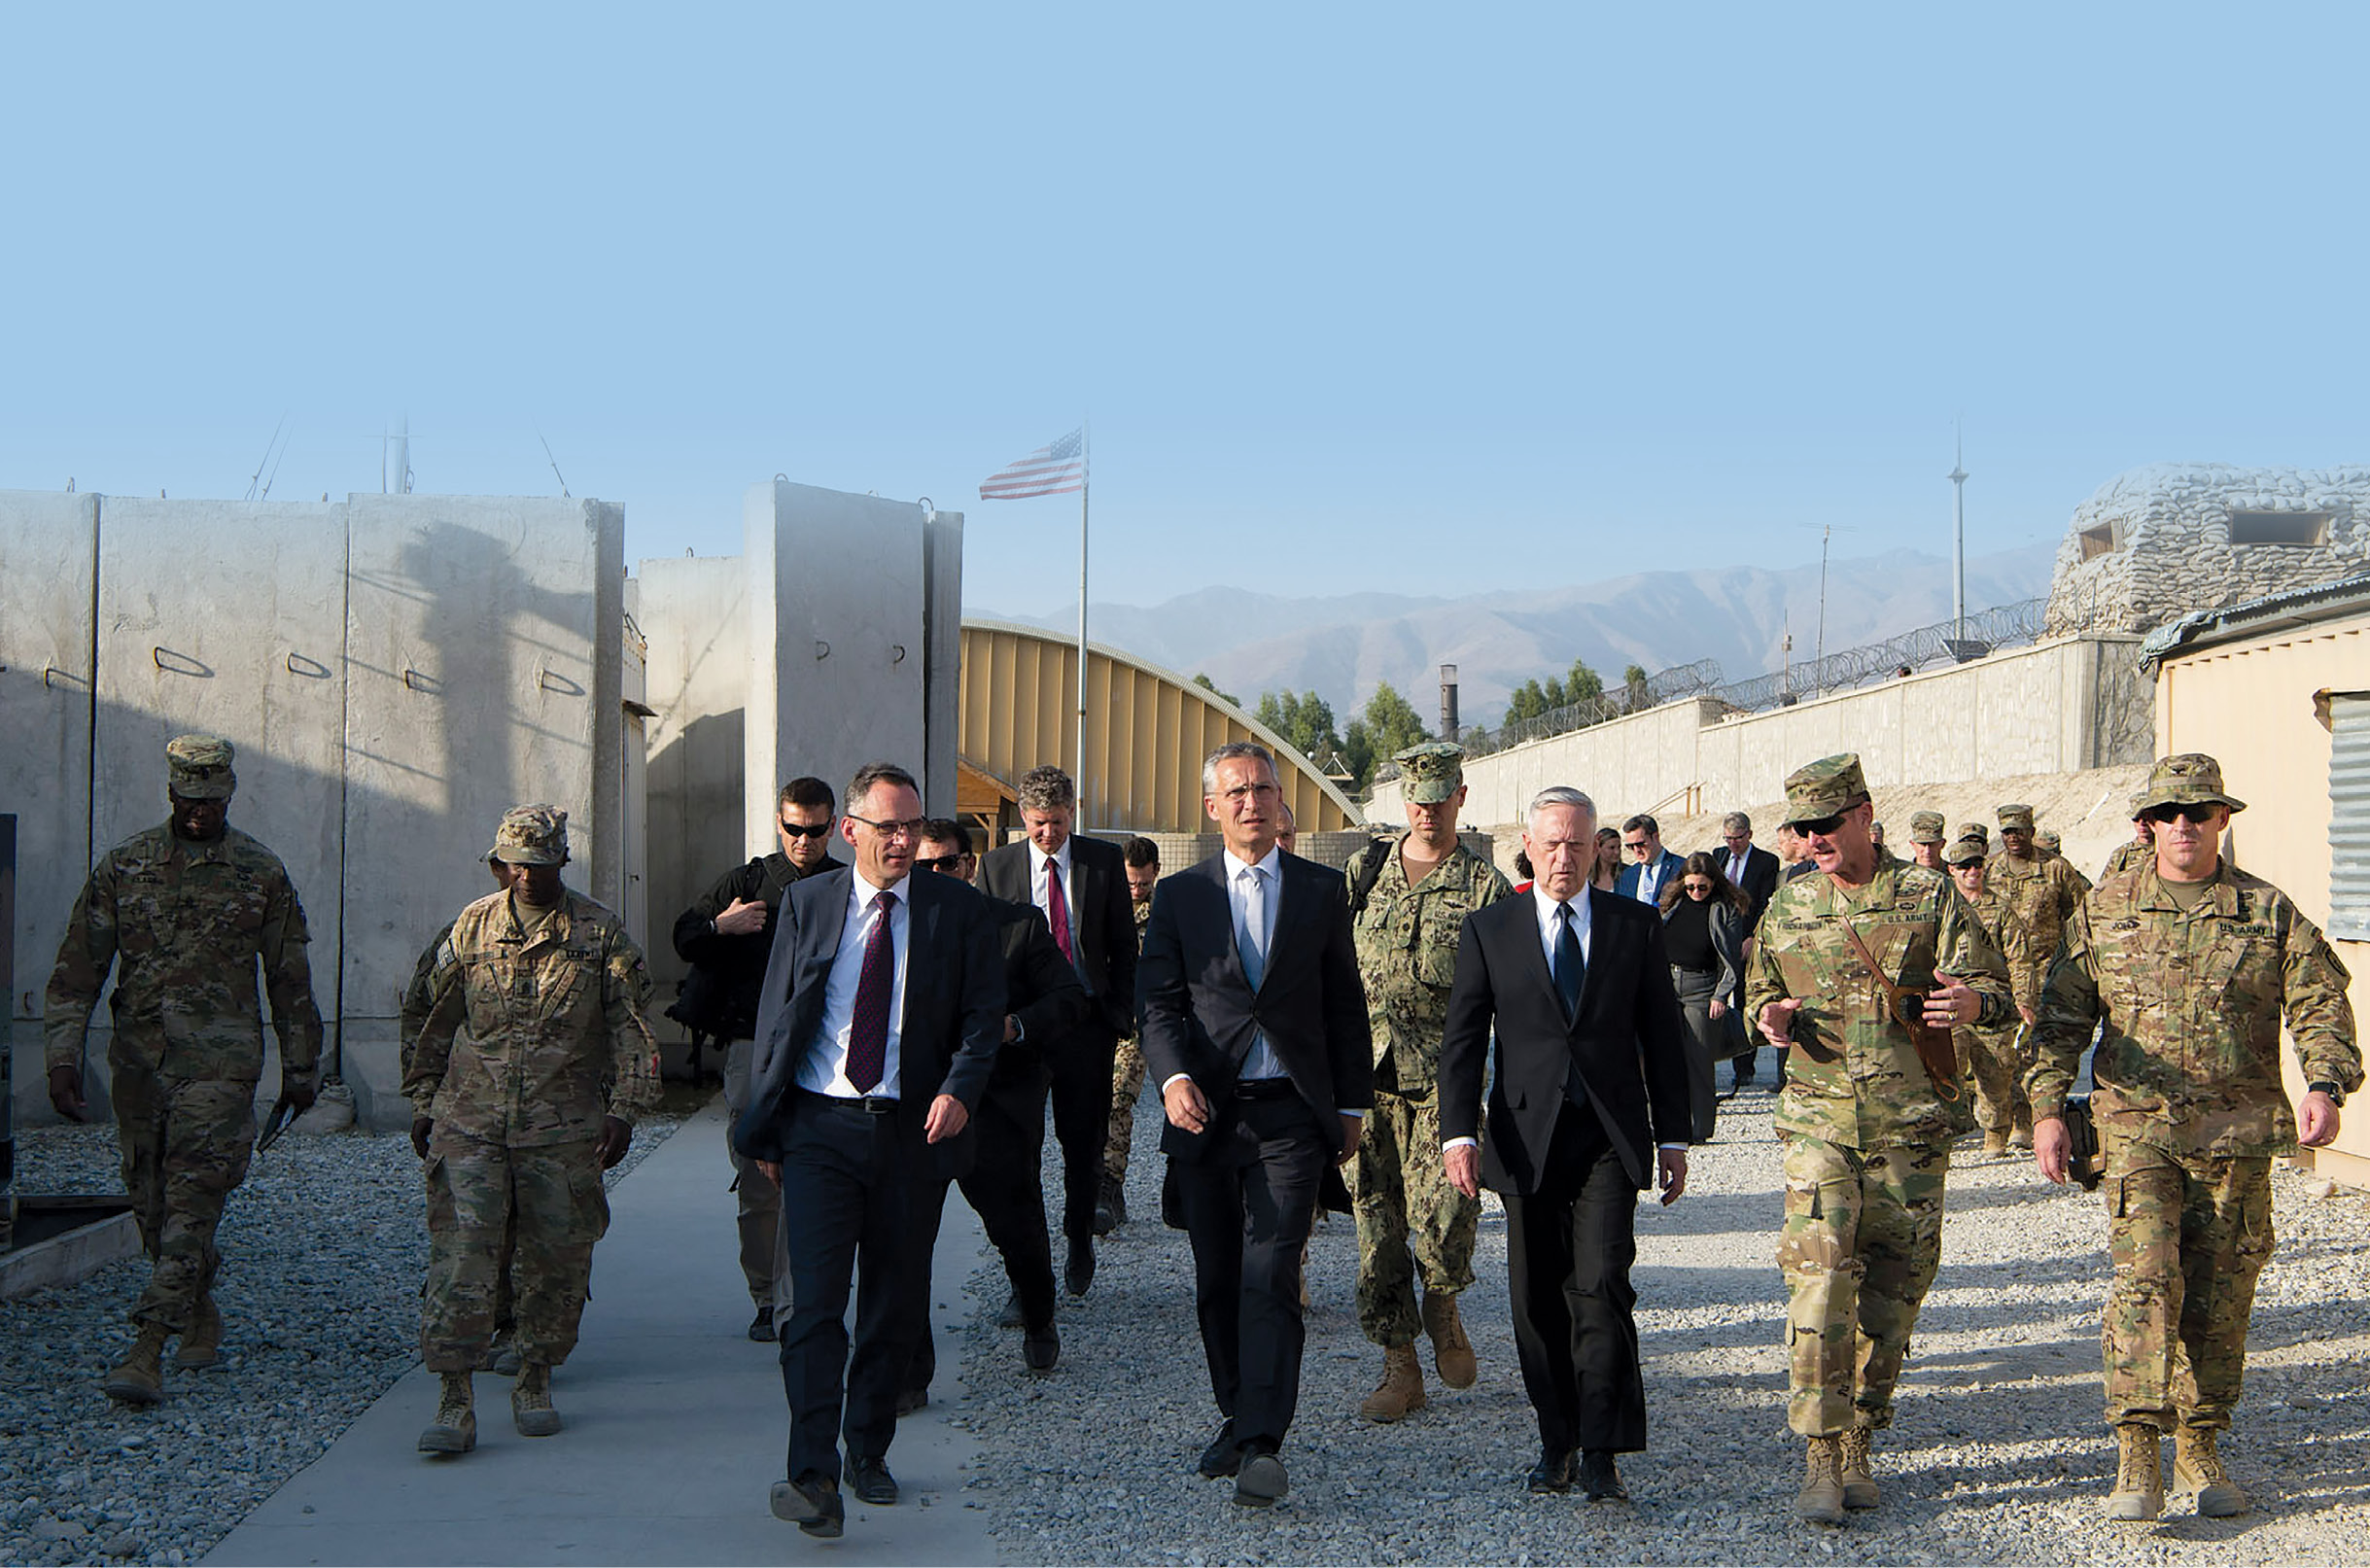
{"x": 2252, "y": 617}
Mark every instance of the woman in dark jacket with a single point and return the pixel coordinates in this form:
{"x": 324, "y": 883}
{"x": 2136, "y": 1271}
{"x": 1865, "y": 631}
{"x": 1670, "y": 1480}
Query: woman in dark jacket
{"x": 1703, "y": 928}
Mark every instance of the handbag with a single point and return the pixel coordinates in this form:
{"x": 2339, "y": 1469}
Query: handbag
{"x": 1936, "y": 1048}
{"x": 2085, "y": 1158}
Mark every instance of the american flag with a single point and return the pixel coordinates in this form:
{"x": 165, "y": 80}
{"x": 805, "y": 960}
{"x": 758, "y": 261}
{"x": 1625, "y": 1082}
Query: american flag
{"x": 1049, "y": 470}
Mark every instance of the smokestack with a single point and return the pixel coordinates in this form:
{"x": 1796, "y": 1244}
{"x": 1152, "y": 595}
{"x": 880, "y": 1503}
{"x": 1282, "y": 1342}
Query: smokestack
{"x": 1448, "y": 701}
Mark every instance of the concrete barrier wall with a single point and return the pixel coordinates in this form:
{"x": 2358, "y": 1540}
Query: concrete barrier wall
{"x": 2060, "y": 707}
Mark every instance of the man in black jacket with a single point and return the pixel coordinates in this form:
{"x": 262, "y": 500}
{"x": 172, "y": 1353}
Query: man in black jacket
{"x": 726, "y": 936}
{"x": 1042, "y": 999}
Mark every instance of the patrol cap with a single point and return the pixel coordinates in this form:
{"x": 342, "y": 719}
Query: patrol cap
{"x": 1980, "y": 832}
{"x": 532, "y": 836}
{"x": 197, "y": 767}
{"x": 1826, "y": 788}
{"x": 2186, "y": 778}
{"x": 1434, "y": 771}
{"x": 1964, "y": 851}
{"x": 2016, "y": 816}
{"x": 1925, "y": 827}
{"x": 2048, "y": 839}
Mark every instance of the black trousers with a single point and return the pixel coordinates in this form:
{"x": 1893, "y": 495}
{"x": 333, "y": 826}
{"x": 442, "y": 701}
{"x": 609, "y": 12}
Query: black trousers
{"x": 1081, "y": 1063}
{"x": 1568, "y": 1251}
{"x": 848, "y": 1189}
{"x": 1003, "y": 1188}
{"x": 1248, "y": 1205}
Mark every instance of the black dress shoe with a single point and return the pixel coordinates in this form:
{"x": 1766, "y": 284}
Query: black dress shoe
{"x": 1602, "y": 1480}
{"x": 871, "y": 1482}
{"x": 812, "y": 1503}
{"x": 1262, "y": 1480}
{"x": 762, "y": 1327}
{"x": 1009, "y": 1315}
{"x": 1553, "y": 1473}
{"x": 1224, "y": 1456}
{"x": 911, "y": 1400}
{"x": 1079, "y": 1273}
{"x": 1041, "y": 1348}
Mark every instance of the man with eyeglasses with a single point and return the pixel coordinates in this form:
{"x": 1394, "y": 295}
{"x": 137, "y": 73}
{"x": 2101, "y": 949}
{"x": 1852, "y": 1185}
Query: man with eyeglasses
{"x": 2039, "y": 891}
{"x": 2191, "y": 965}
{"x": 726, "y": 936}
{"x": 878, "y": 1028}
{"x": 1855, "y": 965}
{"x": 1649, "y": 866}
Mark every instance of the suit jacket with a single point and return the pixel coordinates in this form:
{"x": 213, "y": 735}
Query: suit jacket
{"x": 954, "y": 1017}
{"x": 1102, "y": 917}
{"x": 1627, "y": 1039}
{"x": 1760, "y": 880}
{"x": 1667, "y": 867}
{"x": 1200, "y": 1016}
{"x": 1044, "y": 993}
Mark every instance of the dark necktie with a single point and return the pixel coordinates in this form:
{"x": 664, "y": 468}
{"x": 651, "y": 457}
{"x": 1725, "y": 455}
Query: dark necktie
{"x": 1571, "y": 970}
{"x": 1056, "y": 911}
{"x": 868, "y": 1028}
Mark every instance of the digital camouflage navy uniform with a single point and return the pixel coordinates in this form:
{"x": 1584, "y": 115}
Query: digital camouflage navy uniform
{"x": 183, "y": 924}
{"x": 1866, "y": 1131}
{"x": 2189, "y": 1105}
{"x": 1406, "y": 939}
{"x": 555, "y": 1042}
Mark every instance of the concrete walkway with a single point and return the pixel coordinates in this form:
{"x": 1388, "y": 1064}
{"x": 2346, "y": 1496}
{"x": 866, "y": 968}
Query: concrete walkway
{"x": 675, "y": 1424}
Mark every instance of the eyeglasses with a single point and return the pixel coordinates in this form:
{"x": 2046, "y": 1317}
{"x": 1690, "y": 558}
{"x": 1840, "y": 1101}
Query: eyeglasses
{"x": 2202, "y": 814}
{"x": 798, "y": 831}
{"x": 1635, "y": 846}
{"x": 1823, "y": 826}
{"x": 939, "y": 862}
{"x": 909, "y": 828}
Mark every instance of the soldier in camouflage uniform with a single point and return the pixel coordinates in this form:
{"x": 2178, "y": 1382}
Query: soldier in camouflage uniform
{"x": 517, "y": 1118}
{"x": 1990, "y": 1056}
{"x": 1866, "y": 1127}
{"x": 2190, "y": 965}
{"x": 2139, "y": 848}
{"x": 182, "y": 912}
{"x": 1410, "y": 895}
{"x": 1926, "y": 840}
{"x": 1142, "y": 859}
{"x": 2039, "y": 891}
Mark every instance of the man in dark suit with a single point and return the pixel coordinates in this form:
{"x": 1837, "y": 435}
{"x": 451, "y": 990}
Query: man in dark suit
{"x": 1652, "y": 867}
{"x": 1589, "y": 1100}
{"x": 1080, "y": 886}
{"x": 1255, "y": 1028}
{"x": 883, "y": 1007}
{"x": 1042, "y": 999}
{"x": 1751, "y": 869}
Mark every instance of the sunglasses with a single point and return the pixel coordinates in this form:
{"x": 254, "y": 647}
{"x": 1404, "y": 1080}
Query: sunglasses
{"x": 938, "y": 863}
{"x": 797, "y": 832}
{"x": 2204, "y": 815}
{"x": 1820, "y": 825}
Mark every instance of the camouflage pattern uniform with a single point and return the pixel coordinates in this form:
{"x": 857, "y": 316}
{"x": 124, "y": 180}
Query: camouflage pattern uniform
{"x": 1127, "y": 1084}
{"x": 1406, "y": 938}
{"x": 1990, "y": 1056}
{"x": 2039, "y": 895}
{"x": 412, "y": 1015}
{"x": 2189, "y": 1103}
{"x": 1867, "y": 1134}
{"x": 183, "y": 924}
{"x": 555, "y": 1042}
{"x": 2127, "y": 855}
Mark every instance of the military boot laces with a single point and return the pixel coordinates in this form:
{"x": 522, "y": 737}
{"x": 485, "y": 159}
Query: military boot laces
{"x": 1855, "y": 1468}
{"x": 2197, "y": 1466}
{"x": 455, "y": 1428}
{"x": 201, "y": 1343}
{"x": 1821, "y": 1499}
{"x": 531, "y": 1409}
{"x": 1401, "y": 1389}
{"x": 139, "y": 1378}
{"x": 1451, "y": 1351}
{"x": 2139, "y": 1492}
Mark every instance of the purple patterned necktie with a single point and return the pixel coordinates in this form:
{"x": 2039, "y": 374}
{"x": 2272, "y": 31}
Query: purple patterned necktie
{"x": 868, "y": 1028}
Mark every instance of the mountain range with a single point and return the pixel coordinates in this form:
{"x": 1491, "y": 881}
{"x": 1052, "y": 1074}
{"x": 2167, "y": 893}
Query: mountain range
{"x": 1342, "y": 645}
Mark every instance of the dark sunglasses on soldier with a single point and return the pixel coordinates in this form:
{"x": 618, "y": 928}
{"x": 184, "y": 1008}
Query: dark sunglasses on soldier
{"x": 797, "y": 832}
{"x": 2202, "y": 814}
{"x": 1820, "y": 825}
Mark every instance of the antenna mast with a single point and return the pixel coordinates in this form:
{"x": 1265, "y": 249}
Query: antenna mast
{"x": 1958, "y": 521}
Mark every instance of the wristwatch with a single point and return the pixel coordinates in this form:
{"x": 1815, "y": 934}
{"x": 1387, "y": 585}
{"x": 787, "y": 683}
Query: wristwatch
{"x": 2337, "y": 1095}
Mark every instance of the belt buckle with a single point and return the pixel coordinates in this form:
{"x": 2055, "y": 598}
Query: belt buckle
{"x": 877, "y": 1105}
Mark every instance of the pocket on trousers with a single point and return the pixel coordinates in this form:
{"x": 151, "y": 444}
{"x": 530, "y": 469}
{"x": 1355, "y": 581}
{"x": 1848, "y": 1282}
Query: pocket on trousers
{"x": 442, "y": 1214}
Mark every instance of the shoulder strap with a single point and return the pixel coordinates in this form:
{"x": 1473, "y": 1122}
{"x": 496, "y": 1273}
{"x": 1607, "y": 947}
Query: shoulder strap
{"x": 1937, "y": 1051}
{"x": 1366, "y": 871}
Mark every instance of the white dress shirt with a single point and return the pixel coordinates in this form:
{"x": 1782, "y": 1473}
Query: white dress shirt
{"x": 823, "y": 1068}
{"x": 1041, "y": 867}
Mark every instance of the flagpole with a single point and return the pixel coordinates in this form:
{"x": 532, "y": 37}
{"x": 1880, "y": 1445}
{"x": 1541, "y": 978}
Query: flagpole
{"x": 1086, "y": 474}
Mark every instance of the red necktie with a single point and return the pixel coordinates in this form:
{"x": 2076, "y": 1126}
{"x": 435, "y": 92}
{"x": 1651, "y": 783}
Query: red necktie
{"x": 1057, "y": 910}
{"x": 868, "y": 1028}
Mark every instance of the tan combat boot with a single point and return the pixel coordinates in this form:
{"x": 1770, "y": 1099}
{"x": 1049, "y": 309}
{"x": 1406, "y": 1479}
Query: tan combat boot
{"x": 1451, "y": 1351}
{"x": 1821, "y": 1499}
{"x": 1855, "y": 1468}
{"x": 201, "y": 1343}
{"x": 2139, "y": 1492}
{"x": 139, "y": 1378}
{"x": 2020, "y": 1134}
{"x": 455, "y": 1428}
{"x": 531, "y": 1409}
{"x": 1995, "y": 1146}
{"x": 2196, "y": 1465}
{"x": 1401, "y": 1389}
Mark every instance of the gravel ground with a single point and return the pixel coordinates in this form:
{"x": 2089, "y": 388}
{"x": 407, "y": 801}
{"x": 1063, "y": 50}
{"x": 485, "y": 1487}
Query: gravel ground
{"x": 1999, "y": 1450}
{"x": 324, "y": 1249}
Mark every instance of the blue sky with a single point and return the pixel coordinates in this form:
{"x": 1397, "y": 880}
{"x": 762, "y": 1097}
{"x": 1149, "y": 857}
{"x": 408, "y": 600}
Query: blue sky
{"x": 1433, "y": 300}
